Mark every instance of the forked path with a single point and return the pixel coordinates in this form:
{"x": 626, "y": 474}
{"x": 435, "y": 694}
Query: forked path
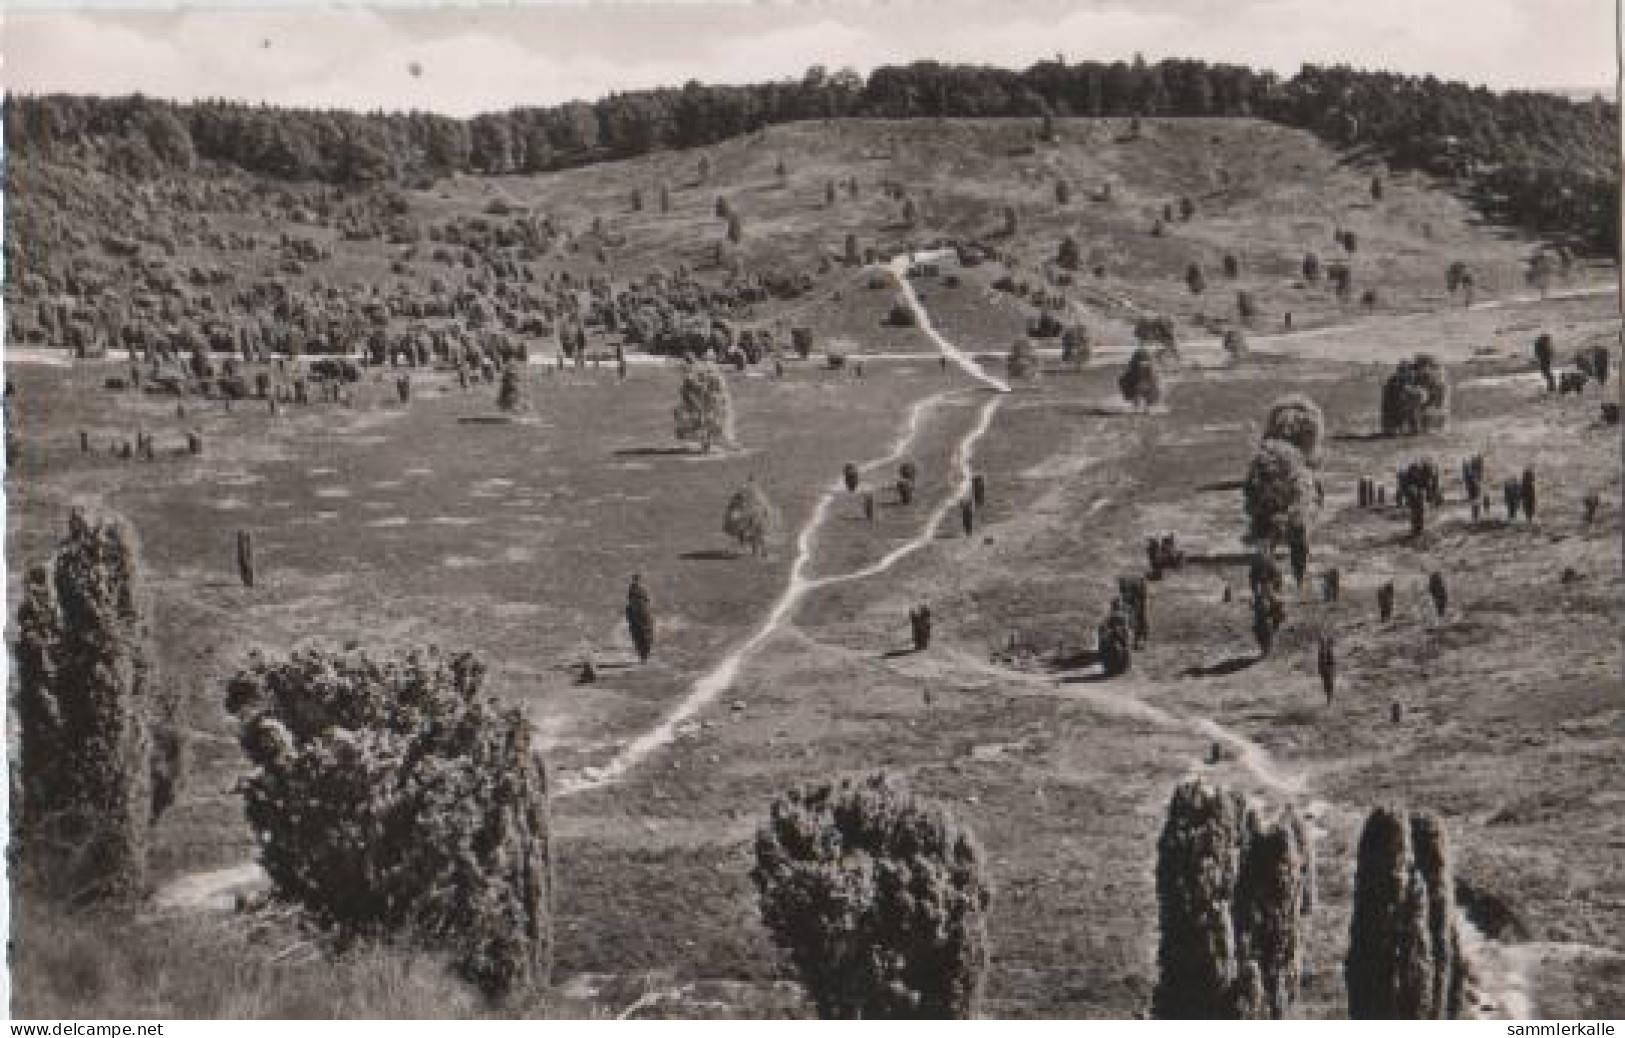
{"x": 1508, "y": 973}
{"x": 217, "y": 888}
{"x": 722, "y": 676}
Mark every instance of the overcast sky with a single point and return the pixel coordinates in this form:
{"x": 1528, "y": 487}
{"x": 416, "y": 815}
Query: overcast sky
{"x": 461, "y": 60}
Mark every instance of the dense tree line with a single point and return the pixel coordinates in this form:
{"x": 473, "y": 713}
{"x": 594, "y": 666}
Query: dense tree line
{"x": 1539, "y": 159}
{"x": 1535, "y": 159}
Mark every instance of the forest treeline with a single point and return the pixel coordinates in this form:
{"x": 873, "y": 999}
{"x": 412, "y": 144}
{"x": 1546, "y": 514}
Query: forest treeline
{"x": 1536, "y": 159}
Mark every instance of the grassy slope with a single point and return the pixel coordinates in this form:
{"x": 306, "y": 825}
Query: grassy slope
{"x": 1263, "y": 192}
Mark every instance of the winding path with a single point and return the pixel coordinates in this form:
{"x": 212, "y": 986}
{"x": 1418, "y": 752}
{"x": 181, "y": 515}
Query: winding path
{"x": 217, "y": 888}
{"x": 899, "y": 270}
{"x": 1508, "y": 972}
{"x": 722, "y": 676}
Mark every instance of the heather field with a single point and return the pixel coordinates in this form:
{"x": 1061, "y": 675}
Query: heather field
{"x": 441, "y": 520}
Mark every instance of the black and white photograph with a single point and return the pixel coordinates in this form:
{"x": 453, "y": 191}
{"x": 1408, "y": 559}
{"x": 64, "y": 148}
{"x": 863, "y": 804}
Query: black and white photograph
{"x": 816, "y": 510}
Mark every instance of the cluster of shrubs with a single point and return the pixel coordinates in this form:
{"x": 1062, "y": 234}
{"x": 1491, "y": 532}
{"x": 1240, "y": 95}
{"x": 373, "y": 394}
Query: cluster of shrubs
{"x": 1234, "y": 891}
{"x": 1591, "y": 363}
{"x": 393, "y": 798}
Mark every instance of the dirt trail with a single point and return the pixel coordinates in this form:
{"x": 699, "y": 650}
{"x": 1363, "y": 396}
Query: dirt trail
{"x": 899, "y": 270}
{"x": 721, "y": 677}
{"x": 216, "y": 888}
{"x": 1508, "y": 974}
{"x": 1118, "y": 699}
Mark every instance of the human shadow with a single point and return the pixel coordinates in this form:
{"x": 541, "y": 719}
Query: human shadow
{"x": 892, "y": 654}
{"x": 709, "y": 555}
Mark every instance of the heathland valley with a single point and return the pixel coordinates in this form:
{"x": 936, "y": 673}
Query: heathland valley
{"x": 1092, "y": 541}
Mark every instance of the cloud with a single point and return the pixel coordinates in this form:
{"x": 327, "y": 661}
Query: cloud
{"x": 485, "y": 58}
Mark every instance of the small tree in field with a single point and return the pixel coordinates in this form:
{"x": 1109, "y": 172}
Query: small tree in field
{"x": 878, "y": 900}
{"x": 395, "y": 799}
{"x": 1158, "y": 333}
{"x": 750, "y": 518}
{"x": 1298, "y": 420}
{"x": 1278, "y": 492}
{"x": 1457, "y": 277}
{"x": 703, "y": 406}
{"x": 1235, "y": 344}
{"x": 1075, "y": 346}
{"x": 245, "y": 557}
{"x": 511, "y": 389}
{"x": 1246, "y": 306}
{"x": 640, "y": 618}
{"x": 1023, "y": 359}
{"x": 1541, "y": 272}
{"x": 100, "y": 750}
{"x": 1194, "y": 279}
{"x": 1069, "y": 256}
{"x": 1139, "y": 382}
{"x": 1231, "y": 890}
{"x": 1405, "y": 958}
{"x": 1544, "y": 354}
{"x": 1341, "y": 278}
